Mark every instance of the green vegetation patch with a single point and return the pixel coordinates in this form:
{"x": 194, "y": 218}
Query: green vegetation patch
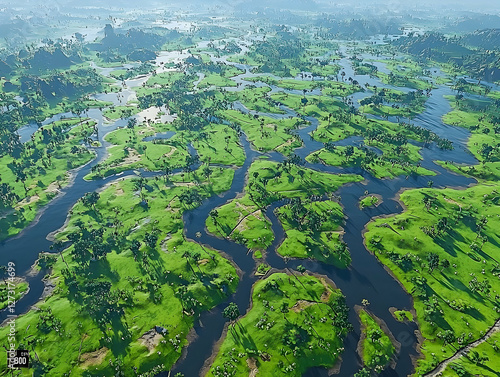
{"x": 403, "y": 315}
{"x": 484, "y": 141}
{"x": 32, "y": 173}
{"x": 294, "y": 323}
{"x": 483, "y": 360}
{"x": 218, "y": 144}
{"x": 313, "y": 231}
{"x": 266, "y": 133}
{"x": 11, "y": 291}
{"x": 243, "y": 220}
{"x": 376, "y": 346}
{"x": 129, "y": 288}
{"x": 443, "y": 249}
{"x": 369, "y": 201}
{"x": 118, "y": 112}
{"x": 395, "y": 160}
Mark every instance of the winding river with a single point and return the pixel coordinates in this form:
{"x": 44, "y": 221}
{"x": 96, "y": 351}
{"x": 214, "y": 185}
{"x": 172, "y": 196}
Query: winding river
{"x": 366, "y": 278}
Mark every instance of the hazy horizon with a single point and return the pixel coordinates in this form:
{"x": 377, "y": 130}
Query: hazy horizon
{"x": 458, "y": 5}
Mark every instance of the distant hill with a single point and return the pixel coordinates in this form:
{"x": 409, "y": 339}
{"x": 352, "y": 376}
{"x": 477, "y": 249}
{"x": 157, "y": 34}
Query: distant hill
{"x": 134, "y": 43}
{"x": 360, "y": 28}
{"x": 474, "y": 22}
{"x": 477, "y": 52}
{"x": 488, "y": 39}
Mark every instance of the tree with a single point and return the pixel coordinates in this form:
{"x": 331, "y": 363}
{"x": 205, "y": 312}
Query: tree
{"x": 7, "y": 194}
{"x": 445, "y": 263}
{"x": 231, "y": 312}
{"x": 151, "y": 239}
{"x": 207, "y": 172}
{"x": 214, "y": 214}
{"x": 167, "y": 170}
{"x": 58, "y": 246}
{"x": 284, "y": 309}
{"x": 433, "y": 260}
{"x": 447, "y": 337}
{"x": 363, "y": 373}
{"x": 131, "y": 123}
{"x": 90, "y": 199}
{"x": 375, "y": 335}
{"x": 348, "y": 152}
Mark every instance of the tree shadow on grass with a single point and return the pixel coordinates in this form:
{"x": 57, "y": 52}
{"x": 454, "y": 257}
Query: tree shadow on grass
{"x": 242, "y": 337}
{"x": 495, "y": 373}
{"x": 448, "y": 243}
{"x": 460, "y": 286}
{"x": 102, "y": 268}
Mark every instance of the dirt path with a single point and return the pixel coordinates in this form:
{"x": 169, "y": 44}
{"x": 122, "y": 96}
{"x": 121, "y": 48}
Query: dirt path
{"x": 244, "y": 217}
{"x": 463, "y": 352}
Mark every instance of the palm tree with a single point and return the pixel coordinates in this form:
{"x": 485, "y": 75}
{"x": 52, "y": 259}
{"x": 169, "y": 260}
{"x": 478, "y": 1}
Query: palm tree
{"x": 58, "y": 246}
{"x": 284, "y": 309}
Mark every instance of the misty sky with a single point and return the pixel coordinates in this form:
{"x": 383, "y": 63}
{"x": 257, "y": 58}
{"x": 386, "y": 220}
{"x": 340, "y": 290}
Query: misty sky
{"x": 472, "y": 5}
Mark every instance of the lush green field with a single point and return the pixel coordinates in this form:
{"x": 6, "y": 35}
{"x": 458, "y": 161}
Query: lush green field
{"x": 318, "y": 237}
{"x": 482, "y": 360}
{"x": 218, "y": 144}
{"x": 405, "y": 81}
{"x": 443, "y": 249}
{"x": 483, "y": 142}
{"x": 369, "y": 201}
{"x": 376, "y": 346}
{"x": 313, "y": 230}
{"x": 330, "y": 87}
{"x": 32, "y": 173}
{"x": 19, "y": 288}
{"x": 395, "y": 161}
{"x": 338, "y": 121}
{"x": 242, "y": 221}
{"x": 255, "y": 99}
{"x": 294, "y": 323}
{"x": 128, "y": 271}
{"x": 266, "y": 133}
{"x": 214, "y": 143}
{"x": 117, "y": 112}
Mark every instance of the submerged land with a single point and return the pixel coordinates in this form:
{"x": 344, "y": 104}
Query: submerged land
{"x": 234, "y": 197}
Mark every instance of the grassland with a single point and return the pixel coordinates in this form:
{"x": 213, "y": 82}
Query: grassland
{"x": 338, "y": 121}
{"x": 141, "y": 283}
{"x": 294, "y": 323}
{"x": 117, "y": 112}
{"x": 266, "y": 133}
{"x": 483, "y": 142}
{"x": 405, "y": 81}
{"x": 214, "y": 143}
{"x": 443, "y": 250}
{"x": 255, "y": 99}
{"x": 313, "y": 230}
{"x": 482, "y": 360}
{"x": 19, "y": 287}
{"x": 376, "y": 346}
{"x": 369, "y": 201}
{"x": 243, "y": 220}
{"x": 330, "y": 87}
{"x": 395, "y": 161}
{"x": 36, "y": 171}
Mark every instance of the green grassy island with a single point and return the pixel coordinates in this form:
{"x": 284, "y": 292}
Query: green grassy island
{"x": 295, "y": 322}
